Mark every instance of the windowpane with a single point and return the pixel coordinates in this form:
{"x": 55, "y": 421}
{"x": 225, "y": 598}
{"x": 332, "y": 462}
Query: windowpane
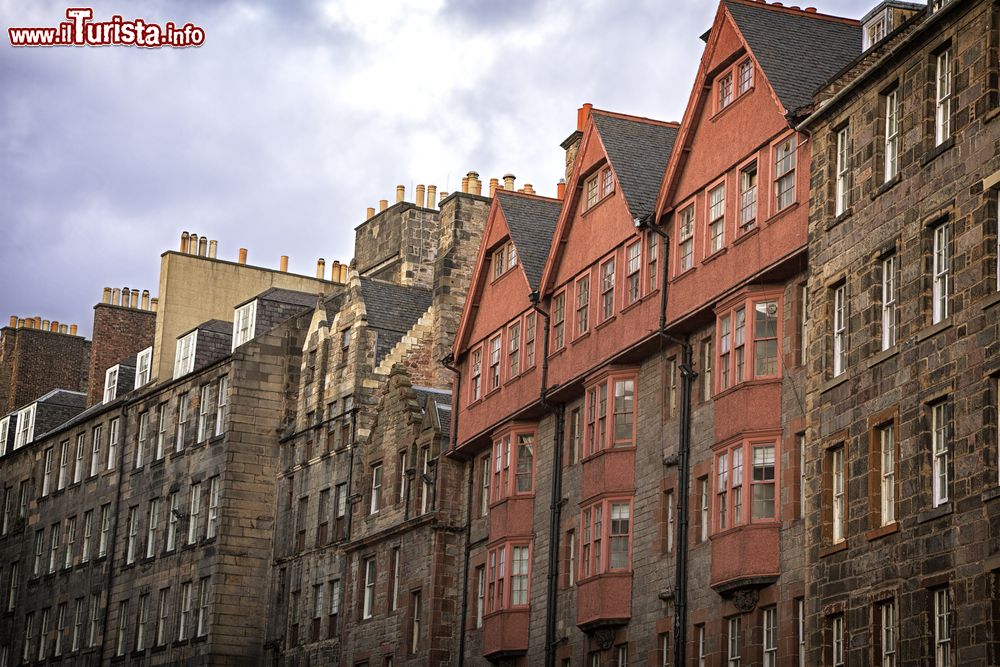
{"x": 765, "y": 338}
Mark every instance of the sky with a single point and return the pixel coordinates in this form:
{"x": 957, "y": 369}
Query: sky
{"x": 293, "y": 117}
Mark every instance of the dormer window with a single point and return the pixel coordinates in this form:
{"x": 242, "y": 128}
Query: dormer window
{"x": 746, "y": 75}
{"x": 184, "y": 358}
{"x": 4, "y": 429}
{"x": 504, "y": 259}
{"x": 143, "y": 366}
{"x": 725, "y": 91}
{"x": 244, "y": 321}
{"x": 599, "y": 186}
{"x": 25, "y": 426}
{"x": 876, "y": 28}
{"x": 110, "y": 384}
{"x": 937, "y": 5}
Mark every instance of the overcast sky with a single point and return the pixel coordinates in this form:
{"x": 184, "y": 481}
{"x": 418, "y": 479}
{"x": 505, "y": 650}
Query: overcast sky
{"x": 294, "y": 117}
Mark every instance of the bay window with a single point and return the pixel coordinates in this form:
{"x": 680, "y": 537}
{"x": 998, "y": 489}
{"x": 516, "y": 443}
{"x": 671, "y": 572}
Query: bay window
{"x": 606, "y": 545}
{"x": 622, "y": 433}
{"x": 522, "y": 481}
{"x": 730, "y": 486}
{"x": 763, "y": 330}
{"x": 508, "y": 574}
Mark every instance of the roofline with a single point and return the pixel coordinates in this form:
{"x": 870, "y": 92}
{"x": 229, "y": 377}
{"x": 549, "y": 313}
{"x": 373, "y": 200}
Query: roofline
{"x": 796, "y": 11}
{"x": 529, "y": 195}
{"x": 640, "y": 119}
{"x": 895, "y": 4}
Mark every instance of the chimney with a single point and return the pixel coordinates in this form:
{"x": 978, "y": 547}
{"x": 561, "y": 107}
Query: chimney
{"x": 134, "y": 302}
{"x": 335, "y": 271}
{"x": 145, "y": 299}
{"x": 283, "y": 264}
{"x": 442, "y": 197}
{"x": 125, "y": 297}
{"x": 475, "y": 185}
{"x": 185, "y": 240}
{"x": 107, "y": 295}
{"x": 243, "y": 260}
{"x": 582, "y": 114}
{"x": 153, "y": 303}
{"x": 38, "y": 322}
{"x": 63, "y": 329}
{"x": 203, "y": 246}
{"x": 54, "y": 327}
{"x": 400, "y": 193}
{"x": 45, "y": 325}
{"x": 193, "y": 245}
{"x": 420, "y": 195}
{"x": 494, "y": 184}
{"x": 213, "y": 248}
{"x": 116, "y": 297}
{"x": 431, "y": 194}
{"x": 561, "y": 188}
{"x": 320, "y": 268}
{"x": 465, "y": 184}
{"x": 370, "y": 213}
{"x": 72, "y": 330}
{"x": 508, "y": 182}
{"x": 528, "y": 189}
{"x": 383, "y": 204}
{"x": 13, "y": 321}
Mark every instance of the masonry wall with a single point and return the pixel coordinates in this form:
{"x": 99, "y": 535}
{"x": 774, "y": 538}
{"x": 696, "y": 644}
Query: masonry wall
{"x": 119, "y": 332}
{"x": 398, "y": 245}
{"x": 34, "y": 362}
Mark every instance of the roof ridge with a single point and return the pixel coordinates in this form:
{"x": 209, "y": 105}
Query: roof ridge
{"x": 795, "y": 10}
{"x": 530, "y": 195}
{"x": 640, "y": 119}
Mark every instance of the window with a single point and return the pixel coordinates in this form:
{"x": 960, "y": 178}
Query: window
{"x": 477, "y": 373}
{"x": 114, "y": 433}
{"x": 140, "y": 444}
{"x": 15, "y": 568}
{"x": 608, "y": 290}
{"x": 891, "y": 146}
{"x": 110, "y": 384}
{"x": 36, "y": 564}
{"x": 81, "y": 447}
{"x": 839, "y": 508}
{"x": 887, "y": 486}
{"x": 725, "y": 348}
{"x": 172, "y": 520}
{"x": 415, "y": 621}
{"x": 942, "y": 628}
{"x": 345, "y": 347}
{"x": 161, "y": 429}
{"x": 770, "y": 637}
{"x": 722, "y": 487}
{"x": 152, "y": 523}
{"x": 213, "y": 507}
{"x": 942, "y": 270}
{"x": 663, "y": 650}
{"x": 368, "y": 598}
{"x": 103, "y": 541}
{"x": 194, "y": 513}
{"x": 132, "y": 530}
{"x": 842, "y": 195}
{"x": 571, "y": 563}
{"x": 182, "y": 418}
{"x": 7, "y": 502}
{"x": 47, "y": 473}
{"x": 707, "y": 354}
{"x": 25, "y": 429}
{"x": 70, "y": 542}
{"x": 700, "y": 628}
{"x": 703, "y": 508}
{"x": 43, "y": 644}
{"x": 161, "y": 617}
{"x": 63, "y": 465}
{"x": 745, "y": 71}
{"x": 942, "y": 105}
{"x": 800, "y": 440}
{"x": 670, "y": 527}
{"x": 888, "y": 302}
{"x": 222, "y": 404}
{"x": 837, "y": 627}
{"x": 480, "y": 594}
{"x": 652, "y": 257}
{"x": 725, "y": 91}
{"x": 585, "y": 543}
{"x": 514, "y": 350}
{"x": 519, "y": 576}
{"x": 607, "y": 183}
{"x": 95, "y": 619}
{"x": 376, "y": 491}
{"x": 939, "y": 451}
{"x": 79, "y": 616}
{"x": 140, "y": 622}
{"x": 394, "y": 593}
{"x": 401, "y": 483}
{"x": 484, "y": 486}
{"x": 618, "y": 558}
{"x": 29, "y": 635}
{"x": 599, "y": 186}
{"x": 733, "y": 642}
{"x": 184, "y": 354}
{"x": 340, "y": 513}
{"x": 839, "y": 330}
{"x": 558, "y": 320}
{"x": 763, "y": 332}
{"x": 143, "y": 367}
{"x": 575, "y": 435}
{"x": 184, "y": 619}
{"x": 633, "y": 266}
{"x": 495, "y": 347}
{"x": 529, "y": 341}
{"x": 686, "y": 238}
{"x": 244, "y": 323}
{"x": 54, "y": 533}
{"x": 122, "y": 628}
{"x": 622, "y": 433}
{"x": 582, "y": 305}
{"x": 204, "y": 597}
{"x": 877, "y": 28}
{"x": 800, "y": 630}
{"x": 504, "y": 259}
{"x": 765, "y": 335}
{"x": 887, "y": 634}
{"x": 593, "y": 191}
{"x": 621, "y": 656}
{"x": 614, "y": 535}
{"x": 748, "y": 197}
{"x": 334, "y": 587}
{"x": 501, "y": 468}
{"x": 784, "y": 173}
{"x": 671, "y": 387}
{"x": 204, "y": 410}
{"x": 739, "y": 343}
{"x": 717, "y": 218}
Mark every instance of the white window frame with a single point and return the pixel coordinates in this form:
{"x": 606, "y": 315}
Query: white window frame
{"x": 204, "y": 409}
{"x": 24, "y": 432}
{"x": 114, "y": 433}
{"x": 717, "y": 218}
{"x": 152, "y": 525}
{"x": 770, "y": 638}
{"x": 143, "y": 367}
{"x": 733, "y": 642}
{"x": 184, "y": 356}
{"x": 221, "y": 404}
{"x": 368, "y": 601}
{"x": 888, "y": 302}
{"x": 888, "y": 630}
{"x": 942, "y": 628}
{"x": 111, "y": 383}
{"x": 839, "y": 330}
{"x": 685, "y": 234}
{"x": 4, "y": 433}
{"x": 942, "y": 272}
{"x": 213, "y": 507}
{"x": 839, "y": 505}
{"x": 887, "y": 456}
{"x": 131, "y": 535}
{"x": 837, "y": 624}
{"x": 939, "y": 452}
{"x": 843, "y": 191}
{"x": 244, "y": 323}
{"x": 801, "y": 631}
{"x": 184, "y": 616}
{"x": 194, "y": 513}
{"x": 942, "y": 97}
{"x": 375, "y": 504}
{"x": 891, "y": 145}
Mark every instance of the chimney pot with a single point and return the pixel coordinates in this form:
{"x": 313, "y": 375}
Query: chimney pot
{"x": 193, "y": 245}
{"x": 45, "y": 325}
{"x": 494, "y": 184}
{"x": 243, "y": 260}
{"x": 420, "y": 196}
{"x": 582, "y": 114}
{"x": 38, "y": 322}
{"x": 442, "y": 197}
{"x": 465, "y": 184}
{"x": 72, "y": 330}
{"x": 203, "y": 246}
{"x": 529, "y": 189}
{"x": 400, "y": 193}
{"x": 383, "y": 204}
{"x": 431, "y": 194}
{"x": 54, "y": 327}
{"x": 116, "y": 297}
{"x": 20, "y": 323}
{"x": 13, "y": 321}
{"x": 134, "y": 303}
{"x": 125, "y": 297}
{"x": 145, "y": 299}
{"x": 320, "y": 268}
{"x": 213, "y": 248}
{"x": 283, "y": 264}
{"x": 370, "y": 213}
{"x": 63, "y": 329}
{"x": 185, "y": 239}
{"x": 561, "y": 188}
{"x": 508, "y": 182}
{"x": 29, "y": 323}
{"x": 810, "y": 10}
{"x": 107, "y": 295}
{"x": 153, "y": 303}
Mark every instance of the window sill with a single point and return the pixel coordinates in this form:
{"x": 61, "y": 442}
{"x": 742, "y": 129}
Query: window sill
{"x": 581, "y": 336}
{"x": 736, "y": 98}
{"x": 156, "y": 463}
{"x": 834, "y": 382}
{"x": 944, "y": 509}
{"x": 742, "y": 384}
{"x": 938, "y": 151}
{"x": 556, "y": 353}
{"x": 514, "y": 379}
{"x": 633, "y": 305}
{"x": 746, "y": 235}
{"x": 605, "y": 323}
{"x": 991, "y": 494}
{"x": 683, "y": 274}
{"x": 833, "y": 549}
{"x": 785, "y": 211}
{"x": 601, "y": 200}
{"x": 607, "y": 450}
{"x": 990, "y": 115}
{"x": 715, "y": 255}
{"x": 933, "y": 330}
{"x": 883, "y": 356}
{"x": 882, "y": 531}
{"x": 991, "y": 301}
{"x": 886, "y": 186}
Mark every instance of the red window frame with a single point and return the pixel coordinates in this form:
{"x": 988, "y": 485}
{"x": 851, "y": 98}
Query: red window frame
{"x": 500, "y": 576}
{"x": 740, "y": 333}
{"x": 476, "y": 374}
{"x": 512, "y": 460}
{"x": 597, "y": 530}
{"x": 609, "y": 280}
{"x": 603, "y": 407}
{"x": 581, "y": 307}
{"x": 633, "y": 271}
{"x": 736, "y": 477}
{"x": 495, "y": 362}
{"x": 530, "y": 326}
{"x": 559, "y": 320}
{"x": 513, "y": 356}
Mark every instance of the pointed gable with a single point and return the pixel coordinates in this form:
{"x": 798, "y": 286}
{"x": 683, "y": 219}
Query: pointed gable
{"x": 392, "y": 310}
{"x": 799, "y": 51}
{"x": 531, "y": 222}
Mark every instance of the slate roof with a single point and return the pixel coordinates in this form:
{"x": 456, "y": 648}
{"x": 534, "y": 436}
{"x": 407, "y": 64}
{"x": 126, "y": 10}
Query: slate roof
{"x": 439, "y": 400}
{"x": 282, "y": 295}
{"x": 799, "y": 52}
{"x": 215, "y": 326}
{"x": 639, "y": 151}
{"x": 392, "y": 310}
{"x": 531, "y": 222}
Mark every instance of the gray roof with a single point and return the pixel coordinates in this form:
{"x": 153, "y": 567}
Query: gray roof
{"x": 63, "y": 397}
{"x": 440, "y": 401}
{"x": 799, "y": 52}
{"x": 282, "y": 295}
{"x": 639, "y": 151}
{"x": 215, "y": 326}
{"x": 532, "y": 222}
{"x": 392, "y": 310}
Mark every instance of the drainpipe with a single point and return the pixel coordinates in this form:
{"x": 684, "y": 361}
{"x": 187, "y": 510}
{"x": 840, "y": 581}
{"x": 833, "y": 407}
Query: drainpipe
{"x": 555, "y": 497}
{"x": 449, "y": 363}
{"x": 688, "y": 376}
{"x": 350, "y": 469}
{"x": 122, "y": 439}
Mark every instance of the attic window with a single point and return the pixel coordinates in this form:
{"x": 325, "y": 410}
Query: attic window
{"x": 4, "y": 427}
{"x": 504, "y": 259}
{"x": 937, "y": 5}
{"x": 725, "y": 91}
{"x": 110, "y": 384}
{"x": 877, "y": 28}
{"x": 244, "y": 322}
{"x": 746, "y": 75}
{"x": 599, "y": 186}
{"x": 143, "y": 364}
{"x": 184, "y": 357}
{"x": 25, "y": 426}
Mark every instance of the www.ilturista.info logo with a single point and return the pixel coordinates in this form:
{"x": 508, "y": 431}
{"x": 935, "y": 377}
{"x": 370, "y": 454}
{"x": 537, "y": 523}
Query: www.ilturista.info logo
{"x": 80, "y": 30}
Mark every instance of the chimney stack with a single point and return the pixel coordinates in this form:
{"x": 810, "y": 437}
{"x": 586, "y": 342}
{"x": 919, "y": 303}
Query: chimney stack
{"x": 582, "y": 114}
{"x": 116, "y": 297}
{"x": 420, "y": 196}
{"x": 370, "y": 213}
{"x": 193, "y": 245}
{"x": 213, "y": 248}
{"x": 383, "y": 204}
{"x": 494, "y": 184}
{"x": 72, "y": 330}
{"x": 106, "y": 298}
{"x": 529, "y": 189}
{"x": 13, "y": 321}
{"x": 320, "y": 268}
{"x": 185, "y": 240}
{"x": 153, "y": 303}
{"x": 400, "y": 193}
{"x": 431, "y": 194}
{"x": 243, "y": 260}
{"x": 561, "y": 188}
{"x": 145, "y": 299}
{"x": 203, "y": 246}
{"x": 283, "y": 264}
{"x": 508, "y": 182}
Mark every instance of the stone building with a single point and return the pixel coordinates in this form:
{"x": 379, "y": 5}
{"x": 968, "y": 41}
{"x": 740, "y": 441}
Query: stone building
{"x": 902, "y": 398}
{"x": 35, "y": 359}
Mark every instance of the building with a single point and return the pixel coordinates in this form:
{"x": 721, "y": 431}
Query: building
{"x": 902, "y": 458}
